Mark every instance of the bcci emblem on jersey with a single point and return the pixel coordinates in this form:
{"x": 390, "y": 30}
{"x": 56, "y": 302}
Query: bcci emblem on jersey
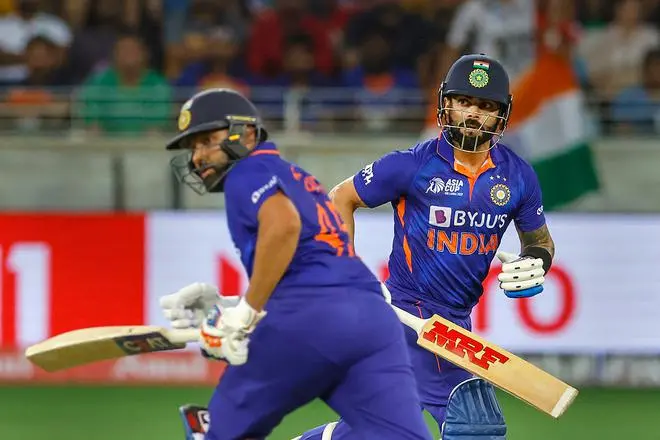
{"x": 500, "y": 194}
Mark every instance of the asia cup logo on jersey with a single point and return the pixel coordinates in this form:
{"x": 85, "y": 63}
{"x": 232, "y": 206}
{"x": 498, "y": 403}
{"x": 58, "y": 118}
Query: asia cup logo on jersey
{"x": 500, "y": 194}
{"x": 449, "y": 187}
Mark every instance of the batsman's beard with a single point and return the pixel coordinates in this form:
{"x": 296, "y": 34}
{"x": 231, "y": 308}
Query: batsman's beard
{"x": 470, "y": 142}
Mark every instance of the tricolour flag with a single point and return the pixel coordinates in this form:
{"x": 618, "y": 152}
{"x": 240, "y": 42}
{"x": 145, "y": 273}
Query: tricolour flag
{"x": 548, "y": 128}
{"x": 481, "y": 65}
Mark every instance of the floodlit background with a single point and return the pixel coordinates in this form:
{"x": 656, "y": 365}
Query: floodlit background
{"x": 94, "y": 228}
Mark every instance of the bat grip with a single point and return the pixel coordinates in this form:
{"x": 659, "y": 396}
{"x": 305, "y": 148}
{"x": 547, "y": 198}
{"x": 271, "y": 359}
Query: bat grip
{"x": 410, "y": 320}
{"x": 184, "y": 336}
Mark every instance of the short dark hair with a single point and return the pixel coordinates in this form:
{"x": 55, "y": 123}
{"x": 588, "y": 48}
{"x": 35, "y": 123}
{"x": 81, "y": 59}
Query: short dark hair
{"x": 129, "y": 35}
{"x": 40, "y": 39}
{"x": 299, "y": 39}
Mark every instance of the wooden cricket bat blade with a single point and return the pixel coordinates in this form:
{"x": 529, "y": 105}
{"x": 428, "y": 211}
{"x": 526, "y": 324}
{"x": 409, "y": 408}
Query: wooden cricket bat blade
{"x": 84, "y": 346}
{"x": 491, "y": 362}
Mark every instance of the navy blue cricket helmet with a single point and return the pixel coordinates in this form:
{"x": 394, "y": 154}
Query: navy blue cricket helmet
{"x": 477, "y": 76}
{"x": 210, "y": 110}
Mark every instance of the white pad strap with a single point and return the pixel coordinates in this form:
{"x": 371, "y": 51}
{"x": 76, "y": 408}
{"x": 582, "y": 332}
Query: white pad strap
{"x": 327, "y": 432}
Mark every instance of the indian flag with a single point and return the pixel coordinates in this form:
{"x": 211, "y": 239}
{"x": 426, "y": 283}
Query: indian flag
{"x": 481, "y": 65}
{"x": 549, "y": 129}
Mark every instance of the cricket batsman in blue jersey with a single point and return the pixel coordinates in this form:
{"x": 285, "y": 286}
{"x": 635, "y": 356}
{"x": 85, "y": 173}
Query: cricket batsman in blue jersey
{"x": 453, "y": 197}
{"x": 313, "y": 322}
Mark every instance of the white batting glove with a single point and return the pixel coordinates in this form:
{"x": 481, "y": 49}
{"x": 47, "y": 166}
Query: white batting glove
{"x": 521, "y": 277}
{"x": 188, "y": 307}
{"x": 226, "y": 331}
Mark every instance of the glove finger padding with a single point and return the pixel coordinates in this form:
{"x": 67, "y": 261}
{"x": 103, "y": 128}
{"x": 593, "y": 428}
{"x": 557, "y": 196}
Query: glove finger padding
{"x": 505, "y": 277}
{"x": 195, "y": 293}
{"x": 520, "y": 273}
{"x": 177, "y": 313}
{"x": 521, "y": 285}
{"x": 522, "y": 264}
{"x": 185, "y": 323}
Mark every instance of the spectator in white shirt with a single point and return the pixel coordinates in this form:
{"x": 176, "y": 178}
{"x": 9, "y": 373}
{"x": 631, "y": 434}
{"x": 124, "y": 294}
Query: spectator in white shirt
{"x": 502, "y": 29}
{"x": 16, "y": 29}
{"x": 614, "y": 55}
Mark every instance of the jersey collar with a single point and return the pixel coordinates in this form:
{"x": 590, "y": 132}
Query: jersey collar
{"x": 265, "y": 148}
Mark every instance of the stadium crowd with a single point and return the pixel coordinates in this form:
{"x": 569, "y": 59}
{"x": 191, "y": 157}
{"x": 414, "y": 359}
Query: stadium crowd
{"x": 124, "y": 66}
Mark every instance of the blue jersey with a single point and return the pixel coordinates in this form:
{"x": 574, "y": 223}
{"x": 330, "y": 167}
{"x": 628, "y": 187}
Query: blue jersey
{"x": 324, "y": 257}
{"x": 449, "y": 222}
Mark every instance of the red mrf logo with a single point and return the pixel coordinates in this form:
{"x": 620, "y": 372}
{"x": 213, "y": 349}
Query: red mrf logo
{"x": 463, "y": 345}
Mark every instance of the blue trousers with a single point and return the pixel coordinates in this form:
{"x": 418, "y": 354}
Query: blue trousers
{"x": 349, "y": 351}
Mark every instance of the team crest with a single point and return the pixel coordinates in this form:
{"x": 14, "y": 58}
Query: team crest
{"x": 184, "y": 119}
{"x": 500, "y": 194}
{"x": 185, "y": 116}
{"x": 479, "y": 78}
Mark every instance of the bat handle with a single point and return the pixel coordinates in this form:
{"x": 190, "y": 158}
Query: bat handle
{"x": 410, "y": 320}
{"x": 184, "y": 336}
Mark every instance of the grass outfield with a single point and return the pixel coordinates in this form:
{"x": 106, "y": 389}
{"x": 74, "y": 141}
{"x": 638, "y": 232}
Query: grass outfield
{"x": 123, "y": 413}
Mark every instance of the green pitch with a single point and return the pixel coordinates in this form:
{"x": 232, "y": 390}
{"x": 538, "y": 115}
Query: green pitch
{"x": 144, "y": 413}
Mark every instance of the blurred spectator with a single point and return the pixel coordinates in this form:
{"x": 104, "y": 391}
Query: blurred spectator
{"x": 17, "y": 28}
{"x": 502, "y": 29}
{"x": 651, "y": 10}
{"x": 270, "y": 30}
{"x": 335, "y": 17}
{"x": 614, "y": 54}
{"x": 97, "y": 25}
{"x": 408, "y": 34}
{"x": 217, "y": 68}
{"x": 301, "y": 93}
{"x": 557, "y": 28}
{"x": 188, "y": 27}
{"x": 128, "y": 97}
{"x": 6, "y": 6}
{"x": 637, "y": 109}
{"x": 594, "y": 14}
{"x": 39, "y": 96}
{"x": 44, "y": 64}
{"x": 94, "y": 40}
{"x": 298, "y": 69}
{"x": 440, "y": 13}
{"x": 381, "y": 85}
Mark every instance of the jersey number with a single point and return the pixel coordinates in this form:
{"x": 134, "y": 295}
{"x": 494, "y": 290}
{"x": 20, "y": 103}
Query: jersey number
{"x": 331, "y": 224}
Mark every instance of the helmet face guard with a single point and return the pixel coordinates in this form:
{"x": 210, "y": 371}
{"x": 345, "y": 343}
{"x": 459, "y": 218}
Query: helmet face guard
{"x": 452, "y": 130}
{"x": 481, "y": 77}
{"x": 234, "y": 146}
{"x": 208, "y": 111}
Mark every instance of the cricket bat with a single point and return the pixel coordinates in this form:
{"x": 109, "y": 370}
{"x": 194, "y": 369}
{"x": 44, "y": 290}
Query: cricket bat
{"x": 84, "y": 346}
{"x": 492, "y": 363}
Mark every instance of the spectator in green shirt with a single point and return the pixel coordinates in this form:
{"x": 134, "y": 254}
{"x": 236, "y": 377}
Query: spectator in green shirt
{"x": 127, "y": 97}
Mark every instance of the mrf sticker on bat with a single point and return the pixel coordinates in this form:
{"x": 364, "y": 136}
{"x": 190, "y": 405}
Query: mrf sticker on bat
{"x": 136, "y": 344}
{"x": 464, "y": 346}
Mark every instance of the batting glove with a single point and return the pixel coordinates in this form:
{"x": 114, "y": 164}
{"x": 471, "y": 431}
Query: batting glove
{"x": 521, "y": 277}
{"x": 226, "y": 332}
{"x": 188, "y": 307}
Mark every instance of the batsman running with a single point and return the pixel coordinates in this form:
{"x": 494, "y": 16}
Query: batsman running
{"x": 453, "y": 198}
{"x": 313, "y": 322}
